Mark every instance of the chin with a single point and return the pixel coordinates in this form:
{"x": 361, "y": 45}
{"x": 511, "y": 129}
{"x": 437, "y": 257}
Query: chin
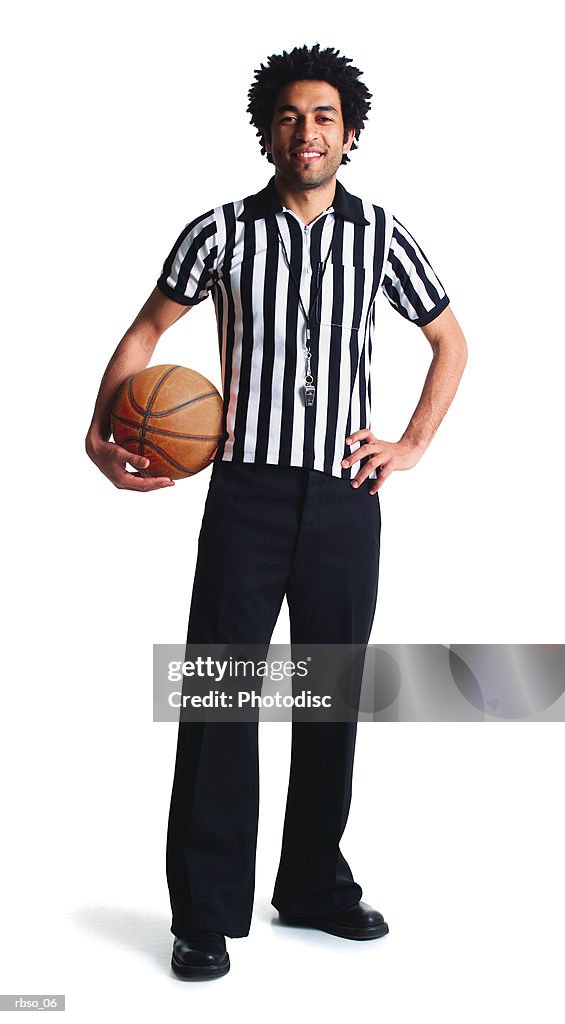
{"x": 307, "y": 180}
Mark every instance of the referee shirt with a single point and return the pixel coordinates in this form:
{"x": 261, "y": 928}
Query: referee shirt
{"x": 235, "y": 253}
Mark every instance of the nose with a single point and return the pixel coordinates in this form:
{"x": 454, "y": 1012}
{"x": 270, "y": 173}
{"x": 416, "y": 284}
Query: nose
{"x": 307, "y": 129}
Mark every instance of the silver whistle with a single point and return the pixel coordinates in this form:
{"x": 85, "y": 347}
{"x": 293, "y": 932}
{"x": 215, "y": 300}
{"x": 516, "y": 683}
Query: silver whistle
{"x": 309, "y": 389}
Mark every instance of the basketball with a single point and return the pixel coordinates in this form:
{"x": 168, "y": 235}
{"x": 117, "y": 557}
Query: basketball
{"x": 170, "y": 414}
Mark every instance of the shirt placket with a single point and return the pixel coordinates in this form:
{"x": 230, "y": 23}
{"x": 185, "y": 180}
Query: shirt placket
{"x": 306, "y": 275}
{"x": 305, "y": 278}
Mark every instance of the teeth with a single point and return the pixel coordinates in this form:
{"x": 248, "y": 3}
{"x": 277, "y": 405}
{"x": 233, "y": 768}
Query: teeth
{"x": 309, "y": 154}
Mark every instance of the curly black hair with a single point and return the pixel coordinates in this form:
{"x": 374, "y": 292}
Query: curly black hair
{"x": 308, "y": 63}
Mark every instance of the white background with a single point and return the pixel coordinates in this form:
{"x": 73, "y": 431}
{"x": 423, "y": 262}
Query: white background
{"x": 123, "y": 122}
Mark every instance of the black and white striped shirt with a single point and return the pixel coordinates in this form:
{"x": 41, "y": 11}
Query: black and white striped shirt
{"x": 235, "y": 253}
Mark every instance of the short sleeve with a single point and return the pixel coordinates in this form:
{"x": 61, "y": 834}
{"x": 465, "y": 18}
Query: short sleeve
{"x": 410, "y": 283}
{"x": 189, "y": 270}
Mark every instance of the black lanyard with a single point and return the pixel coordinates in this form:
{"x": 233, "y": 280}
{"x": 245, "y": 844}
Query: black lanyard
{"x": 309, "y": 387}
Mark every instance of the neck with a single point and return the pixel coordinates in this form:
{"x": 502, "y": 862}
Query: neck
{"x": 307, "y": 203}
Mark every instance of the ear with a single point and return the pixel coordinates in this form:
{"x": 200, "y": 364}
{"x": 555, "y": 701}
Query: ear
{"x": 348, "y": 139}
{"x": 267, "y": 141}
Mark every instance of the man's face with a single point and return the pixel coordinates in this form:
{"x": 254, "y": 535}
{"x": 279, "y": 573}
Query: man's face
{"x": 308, "y": 137}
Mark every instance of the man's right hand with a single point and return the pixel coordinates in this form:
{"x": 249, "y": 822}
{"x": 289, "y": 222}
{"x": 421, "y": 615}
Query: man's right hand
{"x": 111, "y": 460}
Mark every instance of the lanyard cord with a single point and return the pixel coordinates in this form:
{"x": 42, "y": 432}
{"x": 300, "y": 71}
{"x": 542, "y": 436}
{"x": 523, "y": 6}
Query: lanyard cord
{"x": 308, "y": 314}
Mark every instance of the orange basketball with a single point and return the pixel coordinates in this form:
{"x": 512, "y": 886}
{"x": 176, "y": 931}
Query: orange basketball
{"x": 170, "y": 414}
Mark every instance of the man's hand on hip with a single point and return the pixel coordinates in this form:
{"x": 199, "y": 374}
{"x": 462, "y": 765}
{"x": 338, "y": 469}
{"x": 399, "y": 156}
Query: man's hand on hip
{"x": 385, "y": 456}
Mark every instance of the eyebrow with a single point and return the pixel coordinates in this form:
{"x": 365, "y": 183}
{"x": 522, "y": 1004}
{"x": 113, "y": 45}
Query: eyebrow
{"x": 295, "y": 110}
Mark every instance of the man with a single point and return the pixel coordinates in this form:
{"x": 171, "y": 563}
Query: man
{"x": 294, "y": 272}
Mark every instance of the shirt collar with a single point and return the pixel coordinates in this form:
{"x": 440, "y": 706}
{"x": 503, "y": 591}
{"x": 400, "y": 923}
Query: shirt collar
{"x": 267, "y": 202}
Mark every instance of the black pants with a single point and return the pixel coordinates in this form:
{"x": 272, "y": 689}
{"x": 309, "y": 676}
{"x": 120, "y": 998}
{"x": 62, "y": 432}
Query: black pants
{"x": 270, "y": 531}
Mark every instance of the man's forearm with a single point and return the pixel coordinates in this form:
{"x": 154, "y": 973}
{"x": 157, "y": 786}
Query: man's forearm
{"x": 442, "y": 381}
{"x": 132, "y": 355}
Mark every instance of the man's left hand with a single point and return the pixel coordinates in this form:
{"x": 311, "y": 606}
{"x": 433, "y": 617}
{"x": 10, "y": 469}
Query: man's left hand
{"x": 386, "y": 456}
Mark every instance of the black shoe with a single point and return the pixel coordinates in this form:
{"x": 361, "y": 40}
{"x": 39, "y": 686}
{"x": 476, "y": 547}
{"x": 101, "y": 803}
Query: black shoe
{"x": 358, "y": 922}
{"x": 200, "y": 955}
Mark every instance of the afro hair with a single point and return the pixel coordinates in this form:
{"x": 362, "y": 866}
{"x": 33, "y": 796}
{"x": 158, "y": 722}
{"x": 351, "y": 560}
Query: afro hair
{"x": 300, "y": 64}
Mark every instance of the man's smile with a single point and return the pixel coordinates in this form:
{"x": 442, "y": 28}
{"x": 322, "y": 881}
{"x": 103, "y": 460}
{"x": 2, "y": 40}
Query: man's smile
{"x": 307, "y": 156}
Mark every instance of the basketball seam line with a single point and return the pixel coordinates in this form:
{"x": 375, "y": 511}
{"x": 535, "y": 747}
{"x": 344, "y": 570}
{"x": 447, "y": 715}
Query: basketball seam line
{"x": 163, "y": 453}
{"x": 169, "y": 433}
{"x": 152, "y": 398}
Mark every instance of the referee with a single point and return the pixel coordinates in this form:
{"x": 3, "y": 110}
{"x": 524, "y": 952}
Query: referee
{"x": 294, "y": 272}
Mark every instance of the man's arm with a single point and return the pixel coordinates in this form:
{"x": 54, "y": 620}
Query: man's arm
{"x": 132, "y": 355}
{"x": 449, "y": 357}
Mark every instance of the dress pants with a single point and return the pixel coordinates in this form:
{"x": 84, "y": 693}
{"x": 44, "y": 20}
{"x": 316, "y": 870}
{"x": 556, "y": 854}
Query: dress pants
{"x": 270, "y": 531}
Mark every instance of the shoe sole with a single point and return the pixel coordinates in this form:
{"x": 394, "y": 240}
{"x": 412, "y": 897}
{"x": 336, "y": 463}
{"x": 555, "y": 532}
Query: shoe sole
{"x": 360, "y": 934}
{"x": 188, "y": 973}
